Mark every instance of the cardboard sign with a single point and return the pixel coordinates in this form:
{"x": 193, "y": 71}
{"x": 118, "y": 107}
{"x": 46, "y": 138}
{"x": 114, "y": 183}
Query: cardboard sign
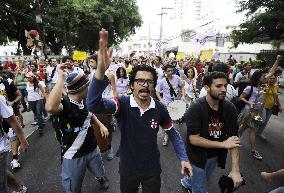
{"x": 180, "y": 55}
{"x": 78, "y": 55}
{"x": 206, "y": 55}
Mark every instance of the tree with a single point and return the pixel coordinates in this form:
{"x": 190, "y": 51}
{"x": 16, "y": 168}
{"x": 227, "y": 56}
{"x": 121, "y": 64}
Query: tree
{"x": 69, "y": 23}
{"x": 14, "y": 19}
{"x": 264, "y": 23}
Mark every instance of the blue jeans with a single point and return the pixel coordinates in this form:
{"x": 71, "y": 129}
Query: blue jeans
{"x": 24, "y": 94}
{"x": 278, "y": 190}
{"x": 198, "y": 182}
{"x": 35, "y": 106}
{"x": 42, "y": 109}
{"x": 73, "y": 170}
{"x": 266, "y": 114}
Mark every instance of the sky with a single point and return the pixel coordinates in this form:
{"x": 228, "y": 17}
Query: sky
{"x": 224, "y": 10}
{"x": 149, "y": 10}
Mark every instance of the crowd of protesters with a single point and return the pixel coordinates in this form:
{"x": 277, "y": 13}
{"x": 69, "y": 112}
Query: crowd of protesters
{"x": 126, "y": 91}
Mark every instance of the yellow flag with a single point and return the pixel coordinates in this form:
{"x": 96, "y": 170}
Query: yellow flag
{"x": 78, "y": 55}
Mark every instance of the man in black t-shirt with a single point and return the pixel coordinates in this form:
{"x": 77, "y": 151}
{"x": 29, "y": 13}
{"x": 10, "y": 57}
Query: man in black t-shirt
{"x": 211, "y": 130}
{"x": 78, "y": 143}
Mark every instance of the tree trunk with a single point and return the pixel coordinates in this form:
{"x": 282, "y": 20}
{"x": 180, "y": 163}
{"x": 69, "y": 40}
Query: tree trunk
{"x": 57, "y": 48}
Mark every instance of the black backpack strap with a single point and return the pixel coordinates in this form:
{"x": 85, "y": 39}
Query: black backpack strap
{"x": 53, "y": 72}
{"x": 172, "y": 91}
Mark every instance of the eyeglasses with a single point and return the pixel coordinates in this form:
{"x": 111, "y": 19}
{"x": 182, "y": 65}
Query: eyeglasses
{"x": 142, "y": 81}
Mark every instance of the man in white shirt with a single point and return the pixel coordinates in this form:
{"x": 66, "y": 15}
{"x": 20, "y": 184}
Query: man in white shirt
{"x": 245, "y": 74}
{"x": 157, "y": 65}
{"x": 51, "y": 73}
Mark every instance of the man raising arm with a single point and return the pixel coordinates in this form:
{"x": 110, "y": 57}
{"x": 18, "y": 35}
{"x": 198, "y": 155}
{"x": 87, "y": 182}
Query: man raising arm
{"x": 139, "y": 117}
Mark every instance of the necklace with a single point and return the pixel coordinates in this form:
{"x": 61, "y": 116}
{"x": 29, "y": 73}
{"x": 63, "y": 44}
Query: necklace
{"x": 80, "y": 105}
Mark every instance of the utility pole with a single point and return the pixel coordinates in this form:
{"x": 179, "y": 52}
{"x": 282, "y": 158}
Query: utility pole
{"x": 161, "y": 26}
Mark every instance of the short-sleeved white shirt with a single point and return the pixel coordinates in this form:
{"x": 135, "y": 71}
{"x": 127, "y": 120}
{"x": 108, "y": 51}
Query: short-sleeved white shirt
{"x": 33, "y": 94}
{"x": 6, "y": 111}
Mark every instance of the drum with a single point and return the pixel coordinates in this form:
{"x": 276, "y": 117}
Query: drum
{"x": 176, "y": 109}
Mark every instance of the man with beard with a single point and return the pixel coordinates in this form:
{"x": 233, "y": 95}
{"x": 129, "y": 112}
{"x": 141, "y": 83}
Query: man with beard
{"x": 139, "y": 116}
{"x": 211, "y": 130}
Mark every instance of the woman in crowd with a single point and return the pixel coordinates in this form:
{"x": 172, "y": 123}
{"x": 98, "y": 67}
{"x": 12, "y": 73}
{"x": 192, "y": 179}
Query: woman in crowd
{"x": 121, "y": 81}
{"x": 34, "y": 98}
{"x": 250, "y": 116}
{"x": 270, "y": 99}
{"x": 20, "y": 82}
{"x": 42, "y": 98}
{"x": 190, "y": 83}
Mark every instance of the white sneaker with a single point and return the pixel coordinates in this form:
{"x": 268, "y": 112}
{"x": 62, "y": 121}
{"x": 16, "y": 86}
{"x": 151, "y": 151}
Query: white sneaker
{"x": 15, "y": 164}
{"x": 24, "y": 190}
{"x": 34, "y": 123}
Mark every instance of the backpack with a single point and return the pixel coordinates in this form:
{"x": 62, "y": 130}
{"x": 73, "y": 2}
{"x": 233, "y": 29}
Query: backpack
{"x": 59, "y": 121}
{"x": 240, "y": 104}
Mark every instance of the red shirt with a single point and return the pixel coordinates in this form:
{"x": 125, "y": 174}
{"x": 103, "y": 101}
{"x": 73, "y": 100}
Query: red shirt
{"x": 10, "y": 65}
{"x": 199, "y": 70}
{"x": 40, "y": 73}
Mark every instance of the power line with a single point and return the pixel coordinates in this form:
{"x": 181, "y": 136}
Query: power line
{"x": 195, "y": 28}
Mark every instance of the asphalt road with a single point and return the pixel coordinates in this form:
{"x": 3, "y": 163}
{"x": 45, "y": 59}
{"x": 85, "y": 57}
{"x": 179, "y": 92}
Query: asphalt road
{"x": 40, "y": 170}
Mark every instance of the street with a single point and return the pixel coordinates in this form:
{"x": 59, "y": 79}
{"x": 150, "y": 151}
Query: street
{"x": 40, "y": 170}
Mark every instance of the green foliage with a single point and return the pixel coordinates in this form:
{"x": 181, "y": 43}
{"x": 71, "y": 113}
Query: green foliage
{"x": 265, "y": 21}
{"x": 256, "y": 63}
{"x": 70, "y": 23}
{"x": 276, "y": 44}
{"x": 3, "y": 39}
